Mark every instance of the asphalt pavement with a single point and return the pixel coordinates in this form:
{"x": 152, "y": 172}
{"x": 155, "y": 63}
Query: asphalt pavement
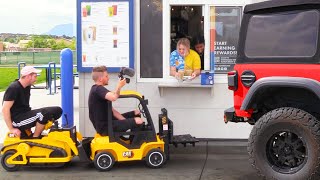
{"x": 225, "y": 160}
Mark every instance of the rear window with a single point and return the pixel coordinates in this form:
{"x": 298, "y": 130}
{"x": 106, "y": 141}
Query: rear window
{"x": 289, "y": 34}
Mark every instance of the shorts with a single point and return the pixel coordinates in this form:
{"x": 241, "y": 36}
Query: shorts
{"x": 29, "y": 119}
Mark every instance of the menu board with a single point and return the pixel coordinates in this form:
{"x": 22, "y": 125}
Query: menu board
{"x": 104, "y": 34}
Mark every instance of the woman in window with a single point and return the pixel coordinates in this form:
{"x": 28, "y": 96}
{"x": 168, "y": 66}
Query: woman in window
{"x": 184, "y": 61}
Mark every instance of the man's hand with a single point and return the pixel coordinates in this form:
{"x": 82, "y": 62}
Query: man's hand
{"x": 193, "y": 75}
{"x": 122, "y": 82}
{"x": 137, "y": 112}
{"x": 15, "y": 131}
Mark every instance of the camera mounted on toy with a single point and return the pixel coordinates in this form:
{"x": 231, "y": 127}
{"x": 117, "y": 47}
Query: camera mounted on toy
{"x": 126, "y": 72}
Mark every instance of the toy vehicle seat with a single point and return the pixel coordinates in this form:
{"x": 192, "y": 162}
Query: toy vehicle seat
{"x": 27, "y": 133}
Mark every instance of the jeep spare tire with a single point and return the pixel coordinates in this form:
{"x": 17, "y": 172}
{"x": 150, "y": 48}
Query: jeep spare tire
{"x": 284, "y": 144}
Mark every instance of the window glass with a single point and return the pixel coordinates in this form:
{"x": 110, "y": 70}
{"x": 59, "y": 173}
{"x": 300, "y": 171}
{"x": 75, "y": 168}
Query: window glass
{"x": 224, "y": 35}
{"x": 187, "y": 22}
{"x": 290, "y": 34}
{"x": 151, "y": 63}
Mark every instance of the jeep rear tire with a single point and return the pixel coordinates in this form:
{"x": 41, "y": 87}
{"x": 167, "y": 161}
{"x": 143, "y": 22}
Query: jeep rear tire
{"x": 284, "y": 144}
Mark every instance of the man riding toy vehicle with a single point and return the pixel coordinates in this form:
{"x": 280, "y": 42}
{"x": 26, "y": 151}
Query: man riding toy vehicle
{"x": 60, "y": 145}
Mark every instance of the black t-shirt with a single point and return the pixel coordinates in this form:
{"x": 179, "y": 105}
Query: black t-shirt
{"x": 98, "y": 108}
{"x": 202, "y": 61}
{"x": 21, "y": 97}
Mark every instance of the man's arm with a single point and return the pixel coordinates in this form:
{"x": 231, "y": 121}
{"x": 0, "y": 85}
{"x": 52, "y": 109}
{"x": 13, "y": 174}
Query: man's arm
{"x": 112, "y": 96}
{"x": 196, "y": 66}
{"x": 196, "y": 72}
{"x": 7, "y": 117}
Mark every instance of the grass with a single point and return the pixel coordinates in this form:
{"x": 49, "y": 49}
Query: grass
{"x": 9, "y": 74}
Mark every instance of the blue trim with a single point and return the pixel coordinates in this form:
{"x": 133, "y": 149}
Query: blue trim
{"x": 80, "y": 68}
{"x": 212, "y": 62}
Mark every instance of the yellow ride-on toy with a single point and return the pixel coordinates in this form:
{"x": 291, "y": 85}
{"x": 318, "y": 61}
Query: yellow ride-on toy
{"x": 60, "y": 145}
{"x": 56, "y": 148}
{"x": 144, "y": 144}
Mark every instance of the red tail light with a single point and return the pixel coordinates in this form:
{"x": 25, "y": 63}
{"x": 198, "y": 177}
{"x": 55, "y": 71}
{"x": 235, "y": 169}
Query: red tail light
{"x": 233, "y": 80}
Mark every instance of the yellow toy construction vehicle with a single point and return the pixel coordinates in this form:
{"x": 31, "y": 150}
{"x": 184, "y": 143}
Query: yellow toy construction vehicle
{"x": 144, "y": 144}
{"x": 62, "y": 144}
{"x": 56, "y": 148}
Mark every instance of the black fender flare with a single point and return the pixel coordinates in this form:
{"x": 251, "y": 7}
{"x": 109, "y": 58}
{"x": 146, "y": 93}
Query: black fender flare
{"x": 295, "y": 82}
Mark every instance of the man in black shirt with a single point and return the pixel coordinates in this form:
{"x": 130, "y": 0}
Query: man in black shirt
{"x": 17, "y": 111}
{"x": 100, "y": 97}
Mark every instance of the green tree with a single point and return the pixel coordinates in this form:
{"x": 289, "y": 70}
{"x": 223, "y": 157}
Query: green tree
{"x": 4, "y": 47}
{"x": 45, "y": 41}
{"x": 61, "y": 45}
{"x": 73, "y": 44}
{"x": 11, "y": 40}
{"x": 52, "y": 43}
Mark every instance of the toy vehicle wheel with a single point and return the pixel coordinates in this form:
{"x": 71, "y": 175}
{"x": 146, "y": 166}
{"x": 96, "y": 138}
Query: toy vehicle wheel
{"x": 103, "y": 161}
{"x": 5, "y": 165}
{"x": 284, "y": 144}
{"x": 155, "y": 158}
{"x": 58, "y": 153}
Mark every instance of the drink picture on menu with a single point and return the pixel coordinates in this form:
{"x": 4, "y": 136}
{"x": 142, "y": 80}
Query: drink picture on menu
{"x": 115, "y": 43}
{"x": 89, "y": 34}
{"x": 114, "y": 30}
{"x": 86, "y": 11}
{"x": 112, "y": 10}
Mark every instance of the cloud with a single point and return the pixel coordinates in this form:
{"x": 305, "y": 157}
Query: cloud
{"x": 35, "y": 16}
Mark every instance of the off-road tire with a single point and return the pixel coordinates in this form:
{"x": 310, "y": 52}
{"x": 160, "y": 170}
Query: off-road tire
{"x": 274, "y": 129}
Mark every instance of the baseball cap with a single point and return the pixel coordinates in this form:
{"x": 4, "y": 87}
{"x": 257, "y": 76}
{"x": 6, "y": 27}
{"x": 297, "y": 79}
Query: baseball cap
{"x": 28, "y": 70}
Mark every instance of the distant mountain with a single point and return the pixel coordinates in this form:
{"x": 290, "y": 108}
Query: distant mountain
{"x": 62, "y": 29}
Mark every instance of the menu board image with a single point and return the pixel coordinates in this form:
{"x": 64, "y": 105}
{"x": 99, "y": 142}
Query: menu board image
{"x": 104, "y": 34}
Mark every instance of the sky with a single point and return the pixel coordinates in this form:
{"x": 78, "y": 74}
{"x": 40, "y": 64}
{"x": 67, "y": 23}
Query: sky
{"x": 35, "y": 16}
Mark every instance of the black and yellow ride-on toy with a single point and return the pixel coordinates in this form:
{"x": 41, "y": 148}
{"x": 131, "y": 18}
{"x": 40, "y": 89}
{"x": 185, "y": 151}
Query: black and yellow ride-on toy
{"x": 56, "y": 148}
{"x": 143, "y": 144}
